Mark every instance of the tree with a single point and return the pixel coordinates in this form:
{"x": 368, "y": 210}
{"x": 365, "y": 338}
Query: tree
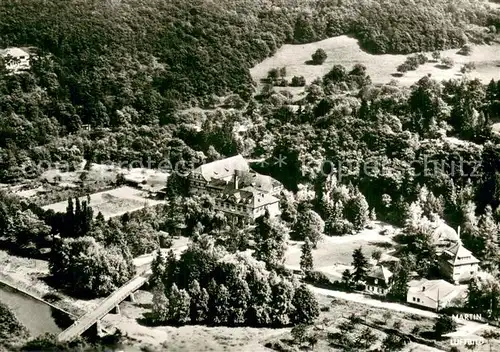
{"x": 403, "y": 68}
{"x": 306, "y": 306}
{"x": 273, "y": 74}
{"x": 357, "y": 211}
{"x": 436, "y": 55}
{"x": 447, "y": 62}
{"x": 306, "y": 259}
{"x": 319, "y": 57}
{"x": 239, "y": 292}
{"x": 337, "y": 74}
{"x": 360, "y": 264}
{"x": 282, "y": 72}
{"x": 393, "y": 342}
{"x": 299, "y": 333}
{"x": 490, "y": 335}
{"x": 158, "y": 267}
{"x": 399, "y": 288}
{"x": 468, "y": 67}
{"x": 180, "y": 303}
{"x": 220, "y": 308}
{"x": 160, "y": 308}
{"x": 444, "y": 325}
{"x": 199, "y": 302}
{"x": 281, "y": 302}
{"x": 347, "y": 279}
{"x": 367, "y": 338}
{"x": 86, "y": 267}
{"x": 309, "y": 225}
{"x": 270, "y": 238}
{"x": 298, "y": 81}
{"x": 466, "y": 50}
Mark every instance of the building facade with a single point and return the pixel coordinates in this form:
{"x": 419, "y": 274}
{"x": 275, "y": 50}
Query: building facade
{"x": 457, "y": 264}
{"x": 433, "y": 294}
{"x": 379, "y": 280}
{"x": 240, "y": 193}
{"x": 16, "y": 59}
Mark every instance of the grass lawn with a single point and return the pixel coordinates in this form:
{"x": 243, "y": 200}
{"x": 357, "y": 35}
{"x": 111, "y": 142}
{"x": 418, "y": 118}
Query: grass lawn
{"x": 54, "y": 184}
{"x": 334, "y": 254}
{"x": 112, "y": 203}
{"x": 345, "y": 50}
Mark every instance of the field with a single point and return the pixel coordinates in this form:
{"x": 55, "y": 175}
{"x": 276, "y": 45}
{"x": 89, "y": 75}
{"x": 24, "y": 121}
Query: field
{"x": 243, "y": 339}
{"x": 112, "y": 203}
{"x": 334, "y": 254}
{"x": 56, "y": 185}
{"x": 345, "y": 50}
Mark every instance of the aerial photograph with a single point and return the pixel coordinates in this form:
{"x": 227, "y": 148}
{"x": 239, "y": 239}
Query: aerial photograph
{"x": 249, "y": 175}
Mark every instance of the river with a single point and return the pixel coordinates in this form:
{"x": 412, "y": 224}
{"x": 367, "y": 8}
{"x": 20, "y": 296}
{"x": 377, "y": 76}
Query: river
{"x": 36, "y": 316}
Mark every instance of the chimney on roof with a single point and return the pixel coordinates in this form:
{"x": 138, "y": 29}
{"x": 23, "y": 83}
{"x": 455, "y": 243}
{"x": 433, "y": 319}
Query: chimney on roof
{"x": 458, "y": 231}
{"x": 236, "y": 179}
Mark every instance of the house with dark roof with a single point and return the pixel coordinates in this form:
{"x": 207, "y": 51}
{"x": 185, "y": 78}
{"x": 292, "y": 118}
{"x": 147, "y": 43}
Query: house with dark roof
{"x": 239, "y": 192}
{"x": 379, "y": 280}
{"x": 458, "y": 264}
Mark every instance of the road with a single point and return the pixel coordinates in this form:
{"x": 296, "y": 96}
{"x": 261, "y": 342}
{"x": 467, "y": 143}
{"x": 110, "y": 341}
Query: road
{"x": 465, "y": 328}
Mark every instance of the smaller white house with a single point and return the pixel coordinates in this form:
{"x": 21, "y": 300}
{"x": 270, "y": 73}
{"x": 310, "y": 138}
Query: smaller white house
{"x": 16, "y": 59}
{"x": 433, "y": 294}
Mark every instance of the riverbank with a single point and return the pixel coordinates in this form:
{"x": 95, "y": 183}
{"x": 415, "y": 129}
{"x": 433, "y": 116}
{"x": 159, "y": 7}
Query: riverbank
{"x": 12, "y": 332}
{"x": 28, "y": 275}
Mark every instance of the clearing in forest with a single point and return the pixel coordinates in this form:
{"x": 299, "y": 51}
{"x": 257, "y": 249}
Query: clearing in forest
{"x": 346, "y": 51}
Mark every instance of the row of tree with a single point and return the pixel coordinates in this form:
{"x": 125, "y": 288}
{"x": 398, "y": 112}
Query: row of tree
{"x": 206, "y": 285}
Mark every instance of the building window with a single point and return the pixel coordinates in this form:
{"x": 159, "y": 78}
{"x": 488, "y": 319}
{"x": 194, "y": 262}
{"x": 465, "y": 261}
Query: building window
{"x": 418, "y": 300}
{"x": 414, "y": 299}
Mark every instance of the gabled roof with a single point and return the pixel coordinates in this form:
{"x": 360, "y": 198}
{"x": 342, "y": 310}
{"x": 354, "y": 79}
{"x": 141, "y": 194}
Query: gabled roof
{"x": 444, "y": 233}
{"x": 14, "y": 52}
{"x": 380, "y": 272}
{"x": 222, "y": 168}
{"x": 435, "y": 290}
{"x": 459, "y": 255}
{"x": 248, "y": 196}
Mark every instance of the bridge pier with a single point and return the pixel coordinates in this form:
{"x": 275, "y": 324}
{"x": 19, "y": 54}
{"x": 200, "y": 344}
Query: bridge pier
{"x": 96, "y": 328}
{"x": 115, "y": 310}
{"x": 131, "y": 297}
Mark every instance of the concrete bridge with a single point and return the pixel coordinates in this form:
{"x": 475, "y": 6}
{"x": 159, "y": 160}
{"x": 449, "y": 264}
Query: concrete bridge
{"x": 111, "y": 303}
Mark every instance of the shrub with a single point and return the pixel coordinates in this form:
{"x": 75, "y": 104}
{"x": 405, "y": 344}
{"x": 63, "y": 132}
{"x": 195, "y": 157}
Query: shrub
{"x": 403, "y": 68}
{"x": 466, "y": 50}
{"x": 317, "y": 278}
{"x": 447, "y": 62}
{"x": 412, "y": 62}
{"x": 422, "y": 58}
{"x": 468, "y": 67}
{"x": 281, "y": 82}
{"x": 319, "y": 57}
{"x": 298, "y": 81}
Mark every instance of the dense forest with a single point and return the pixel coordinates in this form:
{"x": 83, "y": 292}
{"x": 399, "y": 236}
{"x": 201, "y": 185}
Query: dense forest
{"x": 130, "y": 64}
{"x": 169, "y": 81}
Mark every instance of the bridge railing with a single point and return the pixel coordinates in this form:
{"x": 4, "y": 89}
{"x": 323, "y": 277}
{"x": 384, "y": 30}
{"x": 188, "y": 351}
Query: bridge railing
{"x": 107, "y": 304}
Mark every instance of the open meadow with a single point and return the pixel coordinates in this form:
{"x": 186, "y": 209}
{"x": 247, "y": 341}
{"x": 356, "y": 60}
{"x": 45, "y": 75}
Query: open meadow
{"x": 243, "y": 339}
{"x": 346, "y": 51}
{"x": 334, "y": 254}
{"x": 112, "y": 203}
